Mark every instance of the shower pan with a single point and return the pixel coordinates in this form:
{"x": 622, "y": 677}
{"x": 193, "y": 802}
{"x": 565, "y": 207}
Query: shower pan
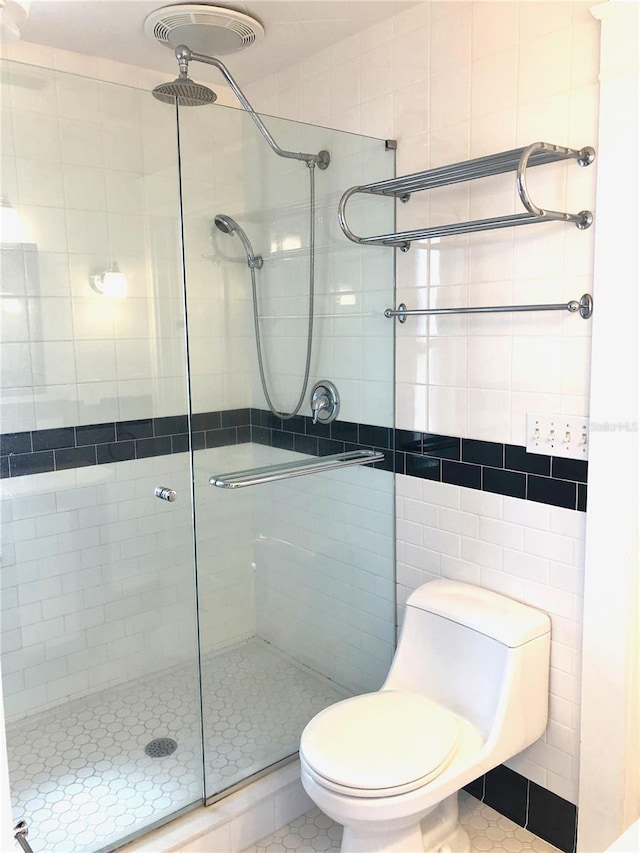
{"x": 164, "y": 641}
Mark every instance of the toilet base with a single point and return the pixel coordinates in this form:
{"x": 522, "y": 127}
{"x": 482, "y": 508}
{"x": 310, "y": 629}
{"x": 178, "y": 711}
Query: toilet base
{"x": 457, "y": 842}
{"x": 439, "y": 832}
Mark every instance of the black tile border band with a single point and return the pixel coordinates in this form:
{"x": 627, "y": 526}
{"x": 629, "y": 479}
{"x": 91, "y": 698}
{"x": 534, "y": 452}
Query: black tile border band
{"x": 40, "y": 451}
{"x": 542, "y": 812}
{"x": 503, "y": 469}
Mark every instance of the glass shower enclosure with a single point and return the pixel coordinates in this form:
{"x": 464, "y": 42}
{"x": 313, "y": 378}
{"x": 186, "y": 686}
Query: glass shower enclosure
{"x": 156, "y": 653}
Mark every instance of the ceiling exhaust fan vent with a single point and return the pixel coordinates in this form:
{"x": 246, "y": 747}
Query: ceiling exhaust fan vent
{"x": 205, "y": 29}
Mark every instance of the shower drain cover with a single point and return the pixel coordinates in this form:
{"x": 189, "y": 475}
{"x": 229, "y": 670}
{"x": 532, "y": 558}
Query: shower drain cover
{"x": 161, "y": 747}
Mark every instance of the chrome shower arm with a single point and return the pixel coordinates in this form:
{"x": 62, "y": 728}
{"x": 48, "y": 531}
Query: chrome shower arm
{"x": 185, "y": 54}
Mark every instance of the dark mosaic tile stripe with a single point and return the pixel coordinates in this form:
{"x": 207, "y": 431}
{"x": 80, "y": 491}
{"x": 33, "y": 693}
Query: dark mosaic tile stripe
{"x": 500, "y": 482}
{"x": 506, "y": 791}
{"x": 461, "y": 474}
{"x": 502, "y": 469}
{"x": 50, "y": 439}
{"x": 517, "y": 459}
{"x": 582, "y": 497}
{"x": 569, "y": 469}
{"x": 552, "y": 818}
{"x": 542, "y": 812}
{"x": 549, "y": 491}
{"x": 95, "y": 434}
{"x": 482, "y": 452}
{"x": 116, "y": 451}
{"x": 75, "y": 457}
{"x": 15, "y": 442}
{"x": 31, "y": 463}
{"x": 41, "y": 451}
{"x": 422, "y": 466}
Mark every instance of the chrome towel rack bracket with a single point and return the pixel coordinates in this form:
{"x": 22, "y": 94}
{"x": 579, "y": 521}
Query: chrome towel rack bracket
{"x": 517, "y": 159}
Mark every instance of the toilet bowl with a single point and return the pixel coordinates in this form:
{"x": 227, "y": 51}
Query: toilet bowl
{"x": 467, "y": 689}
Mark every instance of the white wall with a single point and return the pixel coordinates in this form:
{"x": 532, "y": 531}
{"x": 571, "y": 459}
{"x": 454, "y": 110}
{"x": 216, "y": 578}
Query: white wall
{"x": 451, "y": 81}
{"x": 91, "y": 169}
{"x": 610, "y": 778}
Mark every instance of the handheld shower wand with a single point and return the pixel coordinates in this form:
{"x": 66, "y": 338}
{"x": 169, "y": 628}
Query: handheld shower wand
{"x": 229, "y": 226}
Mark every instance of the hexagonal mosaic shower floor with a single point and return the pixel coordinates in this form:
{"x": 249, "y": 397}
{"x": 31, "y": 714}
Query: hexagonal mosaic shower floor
{"x": 79, "y": 773}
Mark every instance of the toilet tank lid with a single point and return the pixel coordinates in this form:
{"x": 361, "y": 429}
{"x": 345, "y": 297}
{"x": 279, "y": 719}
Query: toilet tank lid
{"x": 503, "y": 619}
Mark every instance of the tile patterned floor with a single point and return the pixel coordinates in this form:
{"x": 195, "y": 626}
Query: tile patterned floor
{"x": 80, "y": 776}
{"x": 314, "y": 832}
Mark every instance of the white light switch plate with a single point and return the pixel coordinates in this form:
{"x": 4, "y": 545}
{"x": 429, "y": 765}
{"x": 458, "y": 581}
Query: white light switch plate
{"x": 558, "y": 435}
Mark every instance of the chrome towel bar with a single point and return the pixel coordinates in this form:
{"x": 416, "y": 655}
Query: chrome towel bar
{"x": 299, "y": 468}
{"x": 584, "y": 307}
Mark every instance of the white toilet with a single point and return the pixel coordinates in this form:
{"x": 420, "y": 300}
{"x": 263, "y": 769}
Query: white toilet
{"x": 467, "y": 689}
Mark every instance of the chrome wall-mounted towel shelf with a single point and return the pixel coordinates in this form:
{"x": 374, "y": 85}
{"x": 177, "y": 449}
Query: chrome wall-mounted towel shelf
{"x": 536, "y": 154}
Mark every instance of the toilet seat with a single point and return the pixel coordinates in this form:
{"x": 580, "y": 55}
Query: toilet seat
{"x": 380, "y": 744}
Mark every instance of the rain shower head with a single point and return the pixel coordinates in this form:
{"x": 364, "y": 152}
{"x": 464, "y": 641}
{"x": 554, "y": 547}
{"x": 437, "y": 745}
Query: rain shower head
{"x": 228, "y": 225}
{"x": 183, "y": 90}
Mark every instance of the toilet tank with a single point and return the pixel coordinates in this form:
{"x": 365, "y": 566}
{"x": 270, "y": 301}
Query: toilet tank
{"x": 480, "y": 654}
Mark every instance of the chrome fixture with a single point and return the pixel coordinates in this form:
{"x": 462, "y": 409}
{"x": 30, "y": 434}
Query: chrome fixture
{"x": 20, "y": 832}
{"x": 168, "y": 92}
{"x": 536, "y": 154}
{"x": 183, "y": 90}
{"x": 165, "y": 493}
{"x": 111, "y": 282}
{"x": 229, "y": 226}
{"x": 273, "y": 473}
{"x": 325, "y": 402}
{"x": 584, "y": 307}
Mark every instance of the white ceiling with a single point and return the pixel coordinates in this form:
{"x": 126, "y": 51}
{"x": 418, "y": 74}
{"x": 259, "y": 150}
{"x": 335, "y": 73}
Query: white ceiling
{"x": 113, "y": 29}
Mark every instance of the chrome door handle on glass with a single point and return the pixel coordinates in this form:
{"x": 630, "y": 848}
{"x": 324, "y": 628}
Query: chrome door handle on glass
{"x": 165, "y": 494}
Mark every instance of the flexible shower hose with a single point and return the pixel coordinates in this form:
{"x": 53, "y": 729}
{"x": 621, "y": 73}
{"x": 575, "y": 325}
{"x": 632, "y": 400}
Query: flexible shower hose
{"x": 285, "y": 416}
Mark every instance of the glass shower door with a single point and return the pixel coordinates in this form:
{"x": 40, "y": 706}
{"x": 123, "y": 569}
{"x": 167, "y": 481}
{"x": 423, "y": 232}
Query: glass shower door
{"x": 296, "y": 578}
{"x": 98, "y": 632}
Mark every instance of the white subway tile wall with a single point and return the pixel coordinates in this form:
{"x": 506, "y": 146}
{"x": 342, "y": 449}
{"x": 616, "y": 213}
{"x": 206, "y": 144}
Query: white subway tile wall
{"x": 96, "y": 581}
{"x": 98, "y": 577}
{"x": 466, "y": 80}
{"x": 323, "y": 561}
{"x": 453, "y": 81}
{"x": 82, "y": 195}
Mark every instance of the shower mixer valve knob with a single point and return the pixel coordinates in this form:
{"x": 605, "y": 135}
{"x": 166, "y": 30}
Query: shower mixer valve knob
{"x": 325, "y": 402}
